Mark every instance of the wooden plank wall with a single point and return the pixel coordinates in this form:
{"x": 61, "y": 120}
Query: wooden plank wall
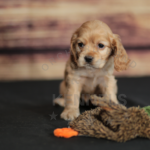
{"x": 36, "y": 33}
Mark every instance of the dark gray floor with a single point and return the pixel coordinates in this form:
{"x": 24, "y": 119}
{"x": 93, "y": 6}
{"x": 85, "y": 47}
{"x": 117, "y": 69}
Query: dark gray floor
{"x": 25, "y": 123}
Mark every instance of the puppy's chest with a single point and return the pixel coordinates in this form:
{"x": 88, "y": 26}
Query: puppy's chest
{"x": 90, "y": 79}
{"x": 90, "y": 85}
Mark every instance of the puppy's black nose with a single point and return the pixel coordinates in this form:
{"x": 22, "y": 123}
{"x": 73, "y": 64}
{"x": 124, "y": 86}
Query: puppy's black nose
{"x": 88, "y": 59}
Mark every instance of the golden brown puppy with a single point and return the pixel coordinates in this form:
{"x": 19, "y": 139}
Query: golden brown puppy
{"x": 95, "y": 52}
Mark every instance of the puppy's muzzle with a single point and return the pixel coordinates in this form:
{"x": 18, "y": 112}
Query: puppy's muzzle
{"x": 88, "y": 59}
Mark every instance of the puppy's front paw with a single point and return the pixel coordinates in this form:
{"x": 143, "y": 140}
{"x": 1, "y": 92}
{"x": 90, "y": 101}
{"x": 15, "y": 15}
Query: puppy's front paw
{"x": 70, "y": 113}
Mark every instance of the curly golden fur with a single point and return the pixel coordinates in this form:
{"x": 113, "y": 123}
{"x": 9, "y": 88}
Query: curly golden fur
{"x": 95, "y": 52}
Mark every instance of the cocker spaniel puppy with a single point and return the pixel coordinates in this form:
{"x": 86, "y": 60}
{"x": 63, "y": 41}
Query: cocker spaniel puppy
{"x": 95, "y": 53}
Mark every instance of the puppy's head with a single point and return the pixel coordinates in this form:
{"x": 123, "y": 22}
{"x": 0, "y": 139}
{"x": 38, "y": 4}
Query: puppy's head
{"x": 93, "y": 44}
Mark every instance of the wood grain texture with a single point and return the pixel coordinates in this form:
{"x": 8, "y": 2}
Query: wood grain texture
{"x": 49, "y": 24}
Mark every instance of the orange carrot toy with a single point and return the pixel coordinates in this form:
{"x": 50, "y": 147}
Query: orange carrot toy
{"x": 65, "y": 132}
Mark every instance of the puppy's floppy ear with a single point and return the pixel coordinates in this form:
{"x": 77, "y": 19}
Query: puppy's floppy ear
{"x": 73, "y": 53}
{"x": 121, "y": 60}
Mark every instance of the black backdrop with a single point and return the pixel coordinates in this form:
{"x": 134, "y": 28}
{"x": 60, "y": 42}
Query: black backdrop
{"x": 25, "y": 123}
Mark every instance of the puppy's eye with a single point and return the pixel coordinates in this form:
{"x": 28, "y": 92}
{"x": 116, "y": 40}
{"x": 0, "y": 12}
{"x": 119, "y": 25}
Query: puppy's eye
{"x": 80, "y": 44}
{"x": 101, "y": 45}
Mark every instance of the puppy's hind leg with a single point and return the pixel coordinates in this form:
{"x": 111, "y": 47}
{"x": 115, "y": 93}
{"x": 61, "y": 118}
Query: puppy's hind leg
{"x": 61, "y": 101}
